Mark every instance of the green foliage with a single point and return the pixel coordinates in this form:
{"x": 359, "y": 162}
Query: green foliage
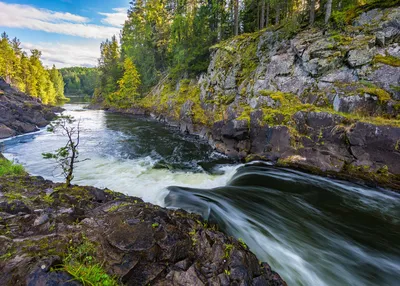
{"x": 13, "y": 196}
{"x": 28, "y": 73}
{"x": 243, "y": 243}
{"x": 8, "y": 168}
{"x": 227, "y": 250}
{"x": 80, "y": 80}
{"x": 110, "y": 69}
{"x": 67, "y": 156}
{"x": 129, "y": 84}
{"x": 82, "y": 265}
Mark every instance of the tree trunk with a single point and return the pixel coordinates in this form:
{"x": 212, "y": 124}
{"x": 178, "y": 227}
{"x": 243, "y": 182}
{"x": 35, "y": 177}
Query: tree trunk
{"x": 236, "y": 16}
{"x": 328, "y": 11}
{"x": 277, "y": 14}
{"x": 258, "y": 16}
{"x": 262, "y": 14}
{"x": 267, "y": 16}
{"x": 312, "y": 12}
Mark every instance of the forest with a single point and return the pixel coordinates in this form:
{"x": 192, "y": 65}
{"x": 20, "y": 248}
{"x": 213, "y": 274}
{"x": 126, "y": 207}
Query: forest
{"x": 80, "y": 81}
{"x": 28, "y": 74}
{"x": 175, "y": 37}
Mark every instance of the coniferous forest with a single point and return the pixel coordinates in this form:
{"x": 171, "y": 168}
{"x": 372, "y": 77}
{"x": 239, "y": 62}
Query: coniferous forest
{"x": 28, "y": 74}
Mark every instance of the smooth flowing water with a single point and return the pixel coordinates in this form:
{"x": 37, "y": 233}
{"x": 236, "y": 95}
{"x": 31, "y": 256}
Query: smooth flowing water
{"x": 312, "y": 230}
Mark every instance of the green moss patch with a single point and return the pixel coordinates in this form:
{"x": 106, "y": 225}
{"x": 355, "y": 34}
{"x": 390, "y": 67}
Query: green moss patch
{"x": 387, "y": 60}
{"x": 383, "y": 95}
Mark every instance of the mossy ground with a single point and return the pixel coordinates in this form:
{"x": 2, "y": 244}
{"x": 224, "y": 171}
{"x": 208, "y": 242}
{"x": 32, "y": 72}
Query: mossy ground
{"x": 78, "y": 254}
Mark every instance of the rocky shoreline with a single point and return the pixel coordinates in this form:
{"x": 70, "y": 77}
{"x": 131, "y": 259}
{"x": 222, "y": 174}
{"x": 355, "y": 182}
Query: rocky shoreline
{"x": 326, "y": 102}
{"x": 48, "y": 232}
{"x": 21, "y": 113}
{"x": 369, "y": 140}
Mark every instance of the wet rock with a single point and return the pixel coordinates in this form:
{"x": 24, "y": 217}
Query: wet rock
{"x": 378, "y": 142}
{"x": 237, "y": 129}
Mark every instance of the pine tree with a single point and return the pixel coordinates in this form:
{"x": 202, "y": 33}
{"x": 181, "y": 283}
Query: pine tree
{"x": 128, "y": 86}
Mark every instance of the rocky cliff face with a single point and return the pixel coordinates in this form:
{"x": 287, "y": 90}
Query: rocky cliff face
{"x": 326, "y": 101}
{"x": 21, "y": 113}
{"x": 52, "y": 235}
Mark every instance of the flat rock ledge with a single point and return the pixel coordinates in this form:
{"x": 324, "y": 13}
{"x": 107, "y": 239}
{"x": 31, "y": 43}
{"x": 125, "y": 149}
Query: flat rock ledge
{"x": 48, "y": 233}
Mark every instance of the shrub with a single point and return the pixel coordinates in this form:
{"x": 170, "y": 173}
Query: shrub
{"x": 9, "y": 168}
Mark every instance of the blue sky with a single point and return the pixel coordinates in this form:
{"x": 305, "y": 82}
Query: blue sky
{"x": 68, "y": 32}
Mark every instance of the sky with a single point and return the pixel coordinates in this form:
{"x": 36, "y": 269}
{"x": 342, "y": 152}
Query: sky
{"x": 68, "y": 32}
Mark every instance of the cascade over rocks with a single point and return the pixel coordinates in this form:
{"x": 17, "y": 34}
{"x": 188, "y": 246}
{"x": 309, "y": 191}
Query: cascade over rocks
{"x": 21, "y": 113}
{"x": 42, "y": 224}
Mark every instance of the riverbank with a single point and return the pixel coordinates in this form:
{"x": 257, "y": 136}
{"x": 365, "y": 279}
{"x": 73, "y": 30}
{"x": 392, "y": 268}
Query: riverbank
{"x": 321, "y": 100}
{"x": 21, "y": 113}
{"x": 54, "y": 234}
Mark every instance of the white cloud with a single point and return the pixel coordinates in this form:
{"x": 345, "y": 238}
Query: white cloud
{"x": 67, "y": 55}
{"x": 40, "y": 14}
{"x": 116, "y": 19}
{"x": 28, "y": 17}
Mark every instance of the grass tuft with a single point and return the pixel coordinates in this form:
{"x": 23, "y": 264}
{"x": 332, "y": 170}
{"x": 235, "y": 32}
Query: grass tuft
{"x": 84, "y": 267}
{"x": 8, "y": 168}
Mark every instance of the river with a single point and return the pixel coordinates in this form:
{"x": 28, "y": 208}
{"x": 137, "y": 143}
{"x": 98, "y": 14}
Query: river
{"x": 312, "y": 230}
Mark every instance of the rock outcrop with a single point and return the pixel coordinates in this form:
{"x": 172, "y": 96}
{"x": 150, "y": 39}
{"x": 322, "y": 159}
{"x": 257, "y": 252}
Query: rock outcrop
{"x": 322, "y": 100}
{"x": 21, "y": 113}
{"x": 53, "y": 235}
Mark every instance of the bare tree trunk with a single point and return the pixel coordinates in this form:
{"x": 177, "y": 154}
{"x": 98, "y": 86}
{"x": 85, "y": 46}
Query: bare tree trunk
{"x": 236, "y": 17}
{"x": 312, "y": 12}
{"x": 267, "y": 16}
{"x": 277, "y": 14}
{"x": 328, "y": 11}
{"x": 262, "y": 14}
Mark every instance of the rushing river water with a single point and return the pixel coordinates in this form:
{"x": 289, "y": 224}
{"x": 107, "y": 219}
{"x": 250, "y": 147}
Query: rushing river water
{"x": 312, "y": 230}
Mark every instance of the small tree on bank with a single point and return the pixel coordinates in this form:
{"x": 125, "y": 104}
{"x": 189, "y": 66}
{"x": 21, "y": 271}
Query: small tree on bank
{"x": 67, "y": 156}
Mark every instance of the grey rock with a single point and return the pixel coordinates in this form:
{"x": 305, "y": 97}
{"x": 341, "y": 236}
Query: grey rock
{"x": 357, "y": 58}
{"x": 41, "y": 220}
{"x": 387, "y": 77}
{"x": 368, "y": 18}
{"x": 6, "y": 132}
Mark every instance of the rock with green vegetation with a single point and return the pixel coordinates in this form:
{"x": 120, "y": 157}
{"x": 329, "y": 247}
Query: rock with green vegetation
{"x": 21, "y": 113}
{"x": 297, "y": 98}
{"x": 54, "y": 235}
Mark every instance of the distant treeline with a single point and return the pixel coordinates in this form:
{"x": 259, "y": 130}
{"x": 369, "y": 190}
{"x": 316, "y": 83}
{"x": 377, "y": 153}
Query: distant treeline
{"x": 80, "y": 80}
{"x": 28, "y": 74}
